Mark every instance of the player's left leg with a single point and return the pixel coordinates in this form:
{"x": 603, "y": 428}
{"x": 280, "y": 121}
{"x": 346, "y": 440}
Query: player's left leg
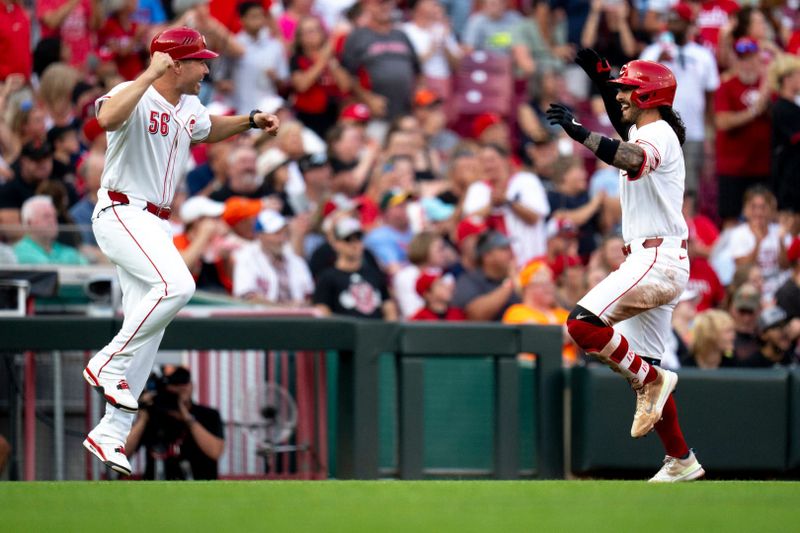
{"x": 107, "y": 440}
{"x": 648, "y": 332}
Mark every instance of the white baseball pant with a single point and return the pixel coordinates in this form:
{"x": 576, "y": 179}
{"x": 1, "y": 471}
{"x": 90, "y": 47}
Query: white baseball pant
{"x": 155, "y": 284}
{"x": 638, "y": 298}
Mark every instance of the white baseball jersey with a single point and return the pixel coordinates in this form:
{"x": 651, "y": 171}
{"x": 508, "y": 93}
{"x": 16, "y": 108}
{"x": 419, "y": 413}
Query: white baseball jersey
{"x": 652, "y": 200}
{"x": 527, "y": 240}
{"x": 146, "y": 156}
{"x": 253, "y": 273}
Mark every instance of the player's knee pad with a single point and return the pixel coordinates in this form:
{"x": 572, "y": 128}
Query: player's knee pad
{"x": 588, "y": 331}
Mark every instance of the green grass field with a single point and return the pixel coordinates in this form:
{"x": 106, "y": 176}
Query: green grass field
{"x": 460, "y": 506}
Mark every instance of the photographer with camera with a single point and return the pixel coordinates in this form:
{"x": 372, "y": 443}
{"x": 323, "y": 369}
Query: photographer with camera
{"x": 183, "y": 440}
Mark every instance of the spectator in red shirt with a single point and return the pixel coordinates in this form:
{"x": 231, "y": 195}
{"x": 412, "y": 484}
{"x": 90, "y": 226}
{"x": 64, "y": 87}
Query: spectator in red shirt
{"x": 123, "y": 37}
{"x": 227, "y": 12}
{"x": 713, "y": 16}
{"x": 74, "y": 21}
{"x": 15, "y": 39}
{"x": 744, "y": 129}
{"x": 437, "y": 291}
{"x": 318, "y": 79}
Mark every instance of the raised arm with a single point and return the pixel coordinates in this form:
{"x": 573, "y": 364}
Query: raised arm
{"x": 599, "y": 71}
{"x": 115, "y": 110}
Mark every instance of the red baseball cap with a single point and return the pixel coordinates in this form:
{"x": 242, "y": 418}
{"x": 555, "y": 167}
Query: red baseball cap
{"x": 793, "y": 253}
{"x": 426, "y": 279}
{"x": 356, "y": 112}
{"x": 683, "y": 11}
{"x": 469, "y": 226}
{"x": 484, "y": 121}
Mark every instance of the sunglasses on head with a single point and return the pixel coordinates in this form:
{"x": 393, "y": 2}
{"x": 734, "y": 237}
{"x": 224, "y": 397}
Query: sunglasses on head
{"x": 746, "y": 47}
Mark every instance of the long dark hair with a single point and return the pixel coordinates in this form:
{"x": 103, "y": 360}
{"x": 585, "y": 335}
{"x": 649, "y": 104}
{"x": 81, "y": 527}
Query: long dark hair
{"x": 671, "y": 117}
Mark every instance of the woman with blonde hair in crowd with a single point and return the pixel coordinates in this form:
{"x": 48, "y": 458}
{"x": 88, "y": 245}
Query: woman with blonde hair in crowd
{"x": 427, "y": 252}
{"x": 711, "y": 345}
{"x": 55, "y": 93}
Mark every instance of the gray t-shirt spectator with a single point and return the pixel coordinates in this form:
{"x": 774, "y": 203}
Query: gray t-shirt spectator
{"x": 472, "y": 284}
{"x": 483, "y": 33}
{"x": 7, "y": 256}
{"x": 389, "y": 61}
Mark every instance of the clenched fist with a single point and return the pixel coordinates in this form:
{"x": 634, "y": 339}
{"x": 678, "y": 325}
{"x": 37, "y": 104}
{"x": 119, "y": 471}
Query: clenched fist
{"x": 268, "y": 123}
{"x": 159, "y": 64}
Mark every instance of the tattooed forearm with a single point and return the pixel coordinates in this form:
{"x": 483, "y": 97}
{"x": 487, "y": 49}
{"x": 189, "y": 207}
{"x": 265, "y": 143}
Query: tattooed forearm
{"x": 629, "y": 157}
{"x": 592, "y": 142}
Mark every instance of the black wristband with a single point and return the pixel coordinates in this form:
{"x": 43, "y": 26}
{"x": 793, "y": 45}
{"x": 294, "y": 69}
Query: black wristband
{"x": 253, "y": 124}
{"x": 607, "y": 149}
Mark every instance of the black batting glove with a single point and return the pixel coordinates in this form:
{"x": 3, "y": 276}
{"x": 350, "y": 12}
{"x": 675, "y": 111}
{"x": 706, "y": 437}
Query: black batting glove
{"x": 561, "y": 115}
{"x": 597, "y": 68}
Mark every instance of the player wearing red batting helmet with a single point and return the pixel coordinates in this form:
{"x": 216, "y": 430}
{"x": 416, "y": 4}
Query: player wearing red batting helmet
{"x": 151, "y": 124}
{"x": 625, "y": 320}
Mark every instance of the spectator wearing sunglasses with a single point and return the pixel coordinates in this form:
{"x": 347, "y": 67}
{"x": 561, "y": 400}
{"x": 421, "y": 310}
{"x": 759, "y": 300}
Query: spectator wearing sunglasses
{"x": 350, "y": 287}
{"x": 745, "y": 308}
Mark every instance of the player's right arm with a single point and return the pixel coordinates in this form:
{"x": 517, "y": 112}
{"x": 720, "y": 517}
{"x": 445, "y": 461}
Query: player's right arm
{"x": 116, "y": 109}
{"x": 627, "y": 156}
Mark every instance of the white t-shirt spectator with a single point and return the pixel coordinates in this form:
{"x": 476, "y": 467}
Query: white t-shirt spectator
{"x": 251, "y": 82}
{"x": 527, "y": 240}
{"x": 742, "y": 242}
{"x": 424, "y": 40}
{"x": 695, "y": 70}
{"x": 254, "y": 274}
{"x": 404, "y": 285}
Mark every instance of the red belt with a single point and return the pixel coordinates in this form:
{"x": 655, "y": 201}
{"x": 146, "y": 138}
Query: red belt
{"x": 651, "y": 243}
{"x": 161, "y": 212}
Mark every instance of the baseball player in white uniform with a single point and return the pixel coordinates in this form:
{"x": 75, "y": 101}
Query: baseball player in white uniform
{"x": 151, "y": 123}
{"x": 625, "y": 320}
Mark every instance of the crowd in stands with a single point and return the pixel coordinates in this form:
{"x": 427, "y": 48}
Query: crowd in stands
{"x": 415, "y": 176}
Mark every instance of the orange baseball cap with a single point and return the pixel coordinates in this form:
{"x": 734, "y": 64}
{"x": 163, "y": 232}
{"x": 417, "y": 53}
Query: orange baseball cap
{"x": 536, "y": 270}
{"x": 426, "y": 97}
{"x": 238, "y": 208}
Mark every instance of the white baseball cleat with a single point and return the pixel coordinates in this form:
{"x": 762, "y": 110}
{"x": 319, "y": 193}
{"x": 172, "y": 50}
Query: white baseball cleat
{"x": 111, "y": 453}
{"x": 113, "y": 388}
{"x": 675, "y": 470}
{"x": 650, "y": 400}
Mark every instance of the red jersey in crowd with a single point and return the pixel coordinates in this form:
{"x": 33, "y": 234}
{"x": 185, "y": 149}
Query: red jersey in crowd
{"x": 227, "y": 12}
{"x": 744, "y": 151}
{"x": 452, "y": 314}
{"x": 713, "y": 15}
{"x": 704, "y": 280}
{"x": 317, "y": 98}
{"x": 113, "y": 34}
{"x": 15, "y": 41}
{"x": 75, "y": 31}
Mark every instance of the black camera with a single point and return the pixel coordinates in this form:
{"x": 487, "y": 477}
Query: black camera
{"x": 164, "y": 400}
